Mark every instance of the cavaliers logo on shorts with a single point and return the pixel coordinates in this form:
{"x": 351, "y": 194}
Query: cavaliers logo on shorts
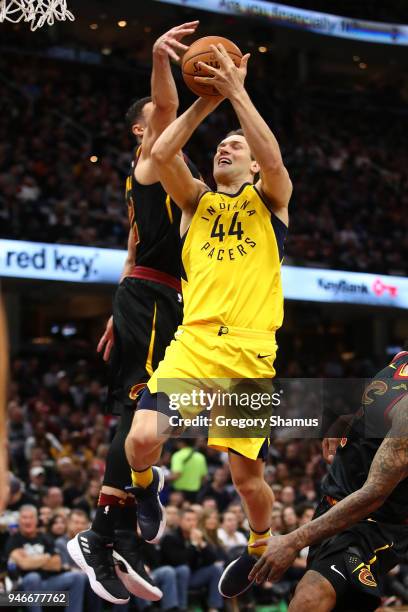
{"x": 366, "y": 577}
{"x": 135, "y": 390}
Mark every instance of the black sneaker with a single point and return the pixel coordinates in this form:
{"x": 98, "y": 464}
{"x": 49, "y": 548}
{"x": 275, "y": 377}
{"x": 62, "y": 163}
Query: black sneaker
{"x": 151, "y": 516}
{"x": 234, "y": 579}
{"x": 90, "y": 552}
{"x": 130, "y": 568}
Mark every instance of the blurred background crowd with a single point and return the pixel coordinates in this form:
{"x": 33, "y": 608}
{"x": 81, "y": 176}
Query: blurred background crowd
{"x": 339, "y": 110}
{"x": 59, "y": 435}
{"x": 65, "y": 151}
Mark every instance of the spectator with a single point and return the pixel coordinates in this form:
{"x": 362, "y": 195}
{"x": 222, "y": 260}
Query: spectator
{"x": 44, "y": 518}
{"x": 172, "y": 581}
{"x": 173, "y": 517}
{"x": 209, "y": 524}
{"x": 17, "y": 495}
{"x": 89, "y": 501}
{"x": 228, "y": 533}
{"x": 187, "y": 548}
{"x": 57, "y": 526}
{"x": 236, "y": 508}
{"x": 40, "y": 564}
{"x": 277, "y": 522}
{"x": 54, "y": 499}
{"x": 77, "y": 521}
{"x": 36, "y": 487}
{"x": 289, "y": 519}
{"x": 70, "y": 479}
{"x": 188, "y": 469}
{"x": 216, "y": 489}
{"x": 288, "y": 496}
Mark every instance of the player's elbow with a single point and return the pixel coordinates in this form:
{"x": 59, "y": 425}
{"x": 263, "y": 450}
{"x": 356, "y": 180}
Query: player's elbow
{"x": 165, "y": 106}
{"x": 159, "y": 153}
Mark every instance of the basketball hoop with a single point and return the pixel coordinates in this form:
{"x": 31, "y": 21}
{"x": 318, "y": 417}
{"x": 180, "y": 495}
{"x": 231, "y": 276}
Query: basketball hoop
{"x": 36, "y": 12}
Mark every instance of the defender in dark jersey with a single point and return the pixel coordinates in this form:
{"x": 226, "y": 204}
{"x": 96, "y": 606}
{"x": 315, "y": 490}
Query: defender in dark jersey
{"x": 360, "y": 529}
{"x": 147, "y": 309}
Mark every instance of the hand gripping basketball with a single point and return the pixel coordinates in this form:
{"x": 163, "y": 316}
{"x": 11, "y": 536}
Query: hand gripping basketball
{"x": 228, "y": 79}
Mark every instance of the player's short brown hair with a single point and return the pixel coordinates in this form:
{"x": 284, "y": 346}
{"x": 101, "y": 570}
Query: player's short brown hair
{"x": 135, "y": 110}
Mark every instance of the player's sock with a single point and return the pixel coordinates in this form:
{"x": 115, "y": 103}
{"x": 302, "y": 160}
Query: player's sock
{"x": 127, "y": 519}
{"x": 142, "y": 478}
{"x": 108, "y": 514}
{"x": 253, "y": 537}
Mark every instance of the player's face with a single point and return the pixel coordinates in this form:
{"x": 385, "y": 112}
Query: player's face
{"x": 147, "y": 111}
{"x": 233, "y": 160}
{"x": 139, "y": 127}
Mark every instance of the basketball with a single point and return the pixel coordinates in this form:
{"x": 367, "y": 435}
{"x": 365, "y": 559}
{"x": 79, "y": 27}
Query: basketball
{"x": 200, "y": 51}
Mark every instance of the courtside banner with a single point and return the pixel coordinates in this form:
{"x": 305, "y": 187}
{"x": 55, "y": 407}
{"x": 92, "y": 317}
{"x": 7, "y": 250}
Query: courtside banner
{"x": 61, "y": 262}
{"x": 316, "y": 285}
{"x": 302, "y": 19}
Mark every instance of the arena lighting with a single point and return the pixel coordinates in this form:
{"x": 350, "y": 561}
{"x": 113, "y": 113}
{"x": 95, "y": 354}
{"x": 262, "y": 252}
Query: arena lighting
{"x": 262, "y": 49}
{"x": 147, "y": 29}
{"x": 93, "y": 159}
{"x": 274, "y": 13}
{"x": 93, "y": 26}
{"x": 356, "y": 58}
{"x": 106, "y": 51}
{"x": 362, "y": 65}
{"x": 122, "y": 23}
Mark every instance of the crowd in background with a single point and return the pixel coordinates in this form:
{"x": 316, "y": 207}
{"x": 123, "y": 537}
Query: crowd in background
{"x": 344, "y": 150}
{"x": 59, "y": 433}
{"x": 64, "y": 153}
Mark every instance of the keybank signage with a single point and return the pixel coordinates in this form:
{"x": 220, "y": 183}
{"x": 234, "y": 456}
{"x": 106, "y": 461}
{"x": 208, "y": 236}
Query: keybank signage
{"x": 60, "y": 262}
{"x": 311, "y": 284}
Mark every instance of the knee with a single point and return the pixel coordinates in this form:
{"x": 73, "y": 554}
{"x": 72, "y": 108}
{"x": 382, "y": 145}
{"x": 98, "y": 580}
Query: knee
{"x": 168, "y": 572}
{"x": 216, "y": 570}
{"x": 311, "y": 598}
{"x": 183, "y": 572}
{"x": 247, "y": 487}
{"x": 31, "y": 580}
{"x": 141, "y": 440}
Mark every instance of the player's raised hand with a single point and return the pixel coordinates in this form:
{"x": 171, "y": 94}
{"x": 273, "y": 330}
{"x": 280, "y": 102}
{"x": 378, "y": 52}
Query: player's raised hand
{"x": 169, "y": 43}
{"x": 106, "y": 342}
{"x": 228, "y": 78}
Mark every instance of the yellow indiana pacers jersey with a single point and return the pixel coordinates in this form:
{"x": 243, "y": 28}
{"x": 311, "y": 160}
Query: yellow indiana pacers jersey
{"x": 231, "y": 259}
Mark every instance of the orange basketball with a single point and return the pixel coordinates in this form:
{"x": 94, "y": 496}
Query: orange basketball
{"x": 200, "y": 51}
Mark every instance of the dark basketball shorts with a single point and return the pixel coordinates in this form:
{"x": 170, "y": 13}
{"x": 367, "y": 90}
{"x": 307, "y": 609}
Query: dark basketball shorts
{"x": 356, "y": 561}
{"x": 145, "y": 316}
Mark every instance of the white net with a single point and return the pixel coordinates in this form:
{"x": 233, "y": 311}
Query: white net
{"x": 36, "y": 12}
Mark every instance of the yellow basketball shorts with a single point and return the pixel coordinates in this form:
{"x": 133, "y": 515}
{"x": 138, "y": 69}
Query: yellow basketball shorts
{"x": 208, "y": 352}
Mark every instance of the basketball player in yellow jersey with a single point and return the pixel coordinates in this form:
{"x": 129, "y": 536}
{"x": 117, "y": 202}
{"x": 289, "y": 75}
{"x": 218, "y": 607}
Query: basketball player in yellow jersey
{"x": 233, "y": 302}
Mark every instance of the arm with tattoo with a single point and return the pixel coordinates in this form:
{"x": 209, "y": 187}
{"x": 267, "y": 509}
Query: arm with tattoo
{"x": 389, "y": 467}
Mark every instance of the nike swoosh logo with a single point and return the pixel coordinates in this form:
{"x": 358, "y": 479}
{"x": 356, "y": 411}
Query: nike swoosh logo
{"x": 263, "y": 356}
{"x": 334, "y": 568}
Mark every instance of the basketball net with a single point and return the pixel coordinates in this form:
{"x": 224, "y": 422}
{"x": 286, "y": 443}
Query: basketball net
{"x": 36, "y": 12}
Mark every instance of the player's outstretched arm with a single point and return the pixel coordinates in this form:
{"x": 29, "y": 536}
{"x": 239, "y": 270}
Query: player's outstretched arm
{"x": 174, "y": 173}
{"x": 163, "y": 88}
{"x": 388, "y": 469}
{"x": 229, "y": 80}
{"x": 106, "y": 341}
